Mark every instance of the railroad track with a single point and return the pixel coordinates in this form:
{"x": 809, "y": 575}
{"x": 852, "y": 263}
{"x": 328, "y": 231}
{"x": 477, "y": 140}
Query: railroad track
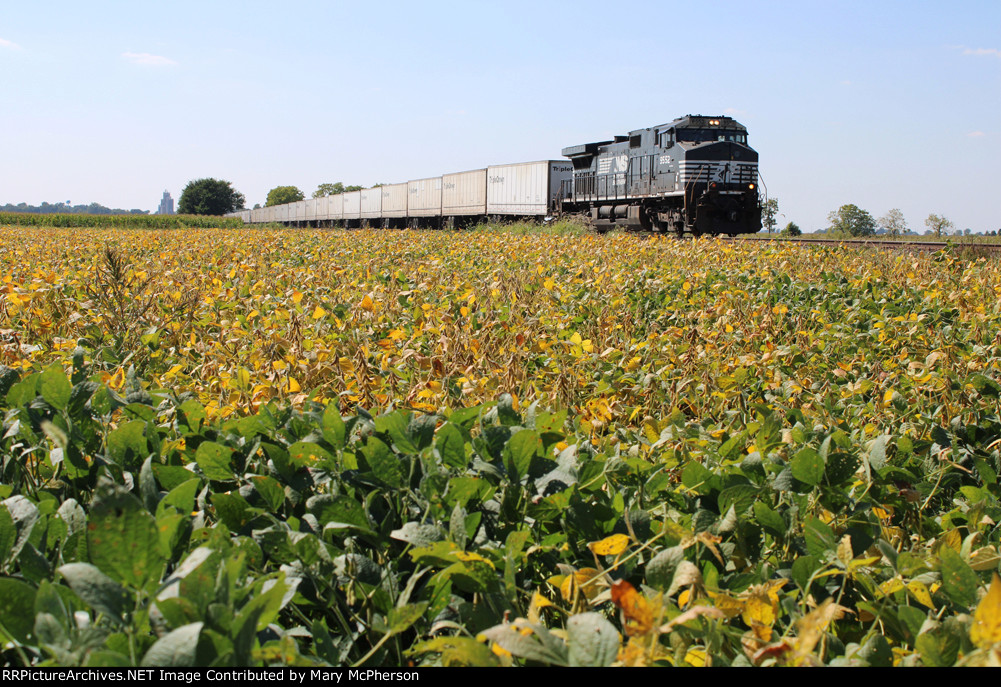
{"x": 980, "y": 248}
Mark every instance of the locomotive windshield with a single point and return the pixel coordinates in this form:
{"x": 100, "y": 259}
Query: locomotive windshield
{"x": 706, "y": 135}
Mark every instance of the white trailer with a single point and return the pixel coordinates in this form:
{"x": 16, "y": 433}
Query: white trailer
{"x": 526, "y": 188}
{"x": 322, "y": 208}
{"x": 464, "y": 193}
{"x": 394, "y": 200}
{"x": 424, "y": 197}
{"x": 336, "y": 208}
{"x": 352, "y": 206}
{"x": 371, "y": 203}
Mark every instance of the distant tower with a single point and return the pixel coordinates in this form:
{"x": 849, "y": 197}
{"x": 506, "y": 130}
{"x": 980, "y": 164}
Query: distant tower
{"x": 166, "y": 205}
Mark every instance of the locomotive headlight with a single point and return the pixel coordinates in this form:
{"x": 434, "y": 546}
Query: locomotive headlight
{"x": 750, "y": 186}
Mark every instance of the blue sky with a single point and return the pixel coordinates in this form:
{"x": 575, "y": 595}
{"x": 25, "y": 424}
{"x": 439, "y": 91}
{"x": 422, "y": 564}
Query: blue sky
{"x": 883, "y": 104}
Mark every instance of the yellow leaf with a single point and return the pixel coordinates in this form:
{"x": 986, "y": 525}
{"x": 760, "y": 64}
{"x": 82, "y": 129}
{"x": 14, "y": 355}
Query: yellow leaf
{"x": 684, "y": 597}
{"x": 538, "y": 603}
{"x": 921, "y": 593}
{"x": 242, "y": 378}
{"x": 610, "y": 546}
{"x": 953, "y": 539}
{"x": 296, "y": 297}
{"x": 318, "y": 313}
{"x": 367, "y": 304}
{"x": 845, "y": 554}
{"x": 580, "y": 582}
{"x": 761, "y": 609}
{"x": 293, "y": 386}
{"x": 986, "y": 629}
{"x": 117, "y": 380}
{"x": 730, "y": 606}
{"x": 467, "y": 557}
{"x": 696, "y": 657}
{"x": 891, "y": 586}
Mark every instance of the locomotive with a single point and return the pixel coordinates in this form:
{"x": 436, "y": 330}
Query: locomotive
{"x": 695, "y": 174}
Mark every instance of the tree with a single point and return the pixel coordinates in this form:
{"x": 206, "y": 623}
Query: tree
{"x": 893, "y": 222}
{"x": 334, "y": 189}
{"x": 768, "y": 212}
{"x": 328, "y": 190}
{"x": 281, "y": 195}
{"x": 851, "y": 220}
{"x": 938, "y": 224}
{"x": 792, "y": 229}
{"x": 209, "y": 197}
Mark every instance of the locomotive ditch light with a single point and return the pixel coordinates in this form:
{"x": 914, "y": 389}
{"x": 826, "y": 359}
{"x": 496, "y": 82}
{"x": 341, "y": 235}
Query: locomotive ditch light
{"x": 750, "y": 186}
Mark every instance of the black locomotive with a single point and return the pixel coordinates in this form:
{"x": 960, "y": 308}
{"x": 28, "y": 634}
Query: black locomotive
{"x": 695, "y": 174}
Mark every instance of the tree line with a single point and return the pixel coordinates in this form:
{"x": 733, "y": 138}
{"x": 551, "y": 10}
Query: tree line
{"x": 851, "y": 220}
{"x": 67, "y": 209}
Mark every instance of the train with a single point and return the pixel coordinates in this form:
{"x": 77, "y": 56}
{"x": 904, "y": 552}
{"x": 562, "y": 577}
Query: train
{"x": 695, "y": 174}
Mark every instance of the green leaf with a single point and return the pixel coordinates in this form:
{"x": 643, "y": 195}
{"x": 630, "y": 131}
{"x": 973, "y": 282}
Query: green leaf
{"x": 986, "y": 386}
{"x": 23, "y": 514}
{"x": 506, "y": 412}
{"x": 395, "y": 425}
{"x": 304, "y": 454}
{"x": 697, "y": 478}
{"x": 338, "y": 511}
{"x": 270, "y": 491}
{"x": 175, "y": 650}
{"x": 233, "y": 510}
{"x": 740, "y": 497}
{"x": 539, "y": 645}
{"x": 958, "y": 579}
{"x": 802, "y": 570}
{"x": 808, "y": 467}
{"x": 127, "y": 444}
{"x": 458, "y": 651}
{"x": 593, "y": 641}
{"x": 8, "y": 535}
{"x": 147, "y": 485}
{"x": 171, "y": 476}
{"x": 385, "y": 465}
{"x": 181, "y": 498}
{"x": 214, "y": 460}
{"x": 55, "y": 388}
{"x": 262, "y": 609}
{"x": 97, "y": 590}
{"x": 519, "y": 452}
{"x": 819, "y": 537}
{"x": 333, "y": 426}
{"x": 190, "y": 415}
{"x": 17, "y": 610}
{"x": 769, "y": 519}
{"x": 122, "y": 537}
{"x": 660, "y": 569}
{"x": 451, "y": 446}
{"x": 402, "y": 617}
{"x": 877, "y": 452}
{"x": 419, "y": 535}
{"x": 475, "y": 577}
